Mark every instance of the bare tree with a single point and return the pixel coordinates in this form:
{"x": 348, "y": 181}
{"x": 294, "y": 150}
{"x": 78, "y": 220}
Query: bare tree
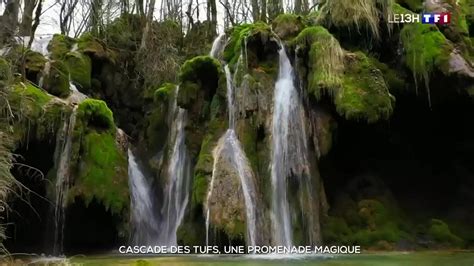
{"x": 27, "y": 17}
{"x": 66, "y": 15}
{"x": 9, "y": 21}
{"x": 149, "y": 21}
{"x": 37, "y": 21}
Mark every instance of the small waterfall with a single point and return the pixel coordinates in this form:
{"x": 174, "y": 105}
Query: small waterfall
{"x": 63, "y": 160}
{"x": 289, "y": 148}
{"x": 144, "y": 223}
{"x": 217, "y": 46}
{"x": 229, "y": 147}
{"x": 179, "y": 178}
{"x": 46, "y": 70}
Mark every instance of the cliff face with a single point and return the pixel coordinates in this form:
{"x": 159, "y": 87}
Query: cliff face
{"x": 386, "y": 127}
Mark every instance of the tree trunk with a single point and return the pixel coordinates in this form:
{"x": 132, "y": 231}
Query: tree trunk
{"x": 275, "y": 7}
{"x": 27, "y": 18}
{"x": 298, "y": 6}
{"x": 95, "y": 17}
{"x": 149, "y": 20}
{"x": 37, "y": 21}
{"x": 263, "y": 13}
{"x": 9, "y": 21}
{"x": 255, "y": 10}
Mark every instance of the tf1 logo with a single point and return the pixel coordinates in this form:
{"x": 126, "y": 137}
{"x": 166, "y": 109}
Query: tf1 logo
{"x": 425, "y": 18}
{"x": 436, "y": 18}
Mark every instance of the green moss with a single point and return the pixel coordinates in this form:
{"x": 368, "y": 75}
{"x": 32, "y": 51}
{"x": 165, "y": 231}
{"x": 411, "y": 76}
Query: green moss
{"x": 393, "y": 79}
{"x": 56, "y": 81}
{"x": 441, "y": 233}
{"x": 288, "y": 25}
{"x": 335, "y": 230}
{"x": 425, "y": 49}
{"x": 102, "y": 172}
{"x": 80, "y": 68}
{"x": 95, "y": 113}
{"x": 34, "y": 61}
{"x": 205, "y": 160}
{"x": 358, "y": 15}
{"x": 198, "y": 76}
{"x": 364, "y": 94}
{"x": 326, "y": 60}
{"x": 29, "y": 91}
{"x": 88, "y": 44}
{"x": 164, "y": 93}
{"x": 239, "y": 35}
{"x": 5, "y": 71}
{"x": 60, "y": 45}
{"x": 413, "y": 5}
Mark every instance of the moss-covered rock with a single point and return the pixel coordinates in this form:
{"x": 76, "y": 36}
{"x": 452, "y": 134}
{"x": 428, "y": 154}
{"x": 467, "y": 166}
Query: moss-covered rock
{"x": 364, "y": 94}
{"x": 34, "y": 61}
{"x": 96, "y": 48}
{"x": 239, "y": 37}
{"x": 41, "y": 114}
{"x": 80, "y": 69}
{"x": 440, "y": 232}
{"x": 198, "y": 76}
{"x": 425, "y": 49}
{"x": 60, "y": 45}
{"x": 288, "y": 25}
{"x": 56, "y": 79}
{"x": 95, "y": 114}
{"x": 359, "y": 16}
{"x": 101, "y": 163}
{"x": 102, "y": 172}
{"x": 325, "y": 60}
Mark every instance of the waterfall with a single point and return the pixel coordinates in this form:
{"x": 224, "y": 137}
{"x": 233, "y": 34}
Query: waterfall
{"x": 217, "y": 46}
{"x": 63, "y": 160}
{"x": 144, "y": 223}
{"x": 229, "y": 147}
{"x": 176, "y": 194}
{"x": 289, "y": 148}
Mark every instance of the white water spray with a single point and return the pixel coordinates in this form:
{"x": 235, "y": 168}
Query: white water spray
{"x": 289, "y": 149}
{"x": 63, "y": 160}
{"x": 144, "y": 223}
{"x": 229, "y": 147}
{"x": 179, "y": 178}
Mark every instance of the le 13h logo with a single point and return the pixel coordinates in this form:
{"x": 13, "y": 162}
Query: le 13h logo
{"x": 425, "y": 18}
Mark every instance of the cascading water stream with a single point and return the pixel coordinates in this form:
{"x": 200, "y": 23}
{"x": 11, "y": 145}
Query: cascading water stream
{"x": 144, "y": 223}
{"x": 229, "y": 147}
{"x": 179, "y": 178}
{"x": 63, "y": 160}
{"x": 217, "y": 46}
{"x": 289, "y": 148}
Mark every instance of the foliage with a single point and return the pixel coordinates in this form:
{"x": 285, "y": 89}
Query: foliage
{"x": 5, "y": 71}
{"x": 96, "y": 113}
{"x": 441, "y": 233}
{"x": 359, "y": 14}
